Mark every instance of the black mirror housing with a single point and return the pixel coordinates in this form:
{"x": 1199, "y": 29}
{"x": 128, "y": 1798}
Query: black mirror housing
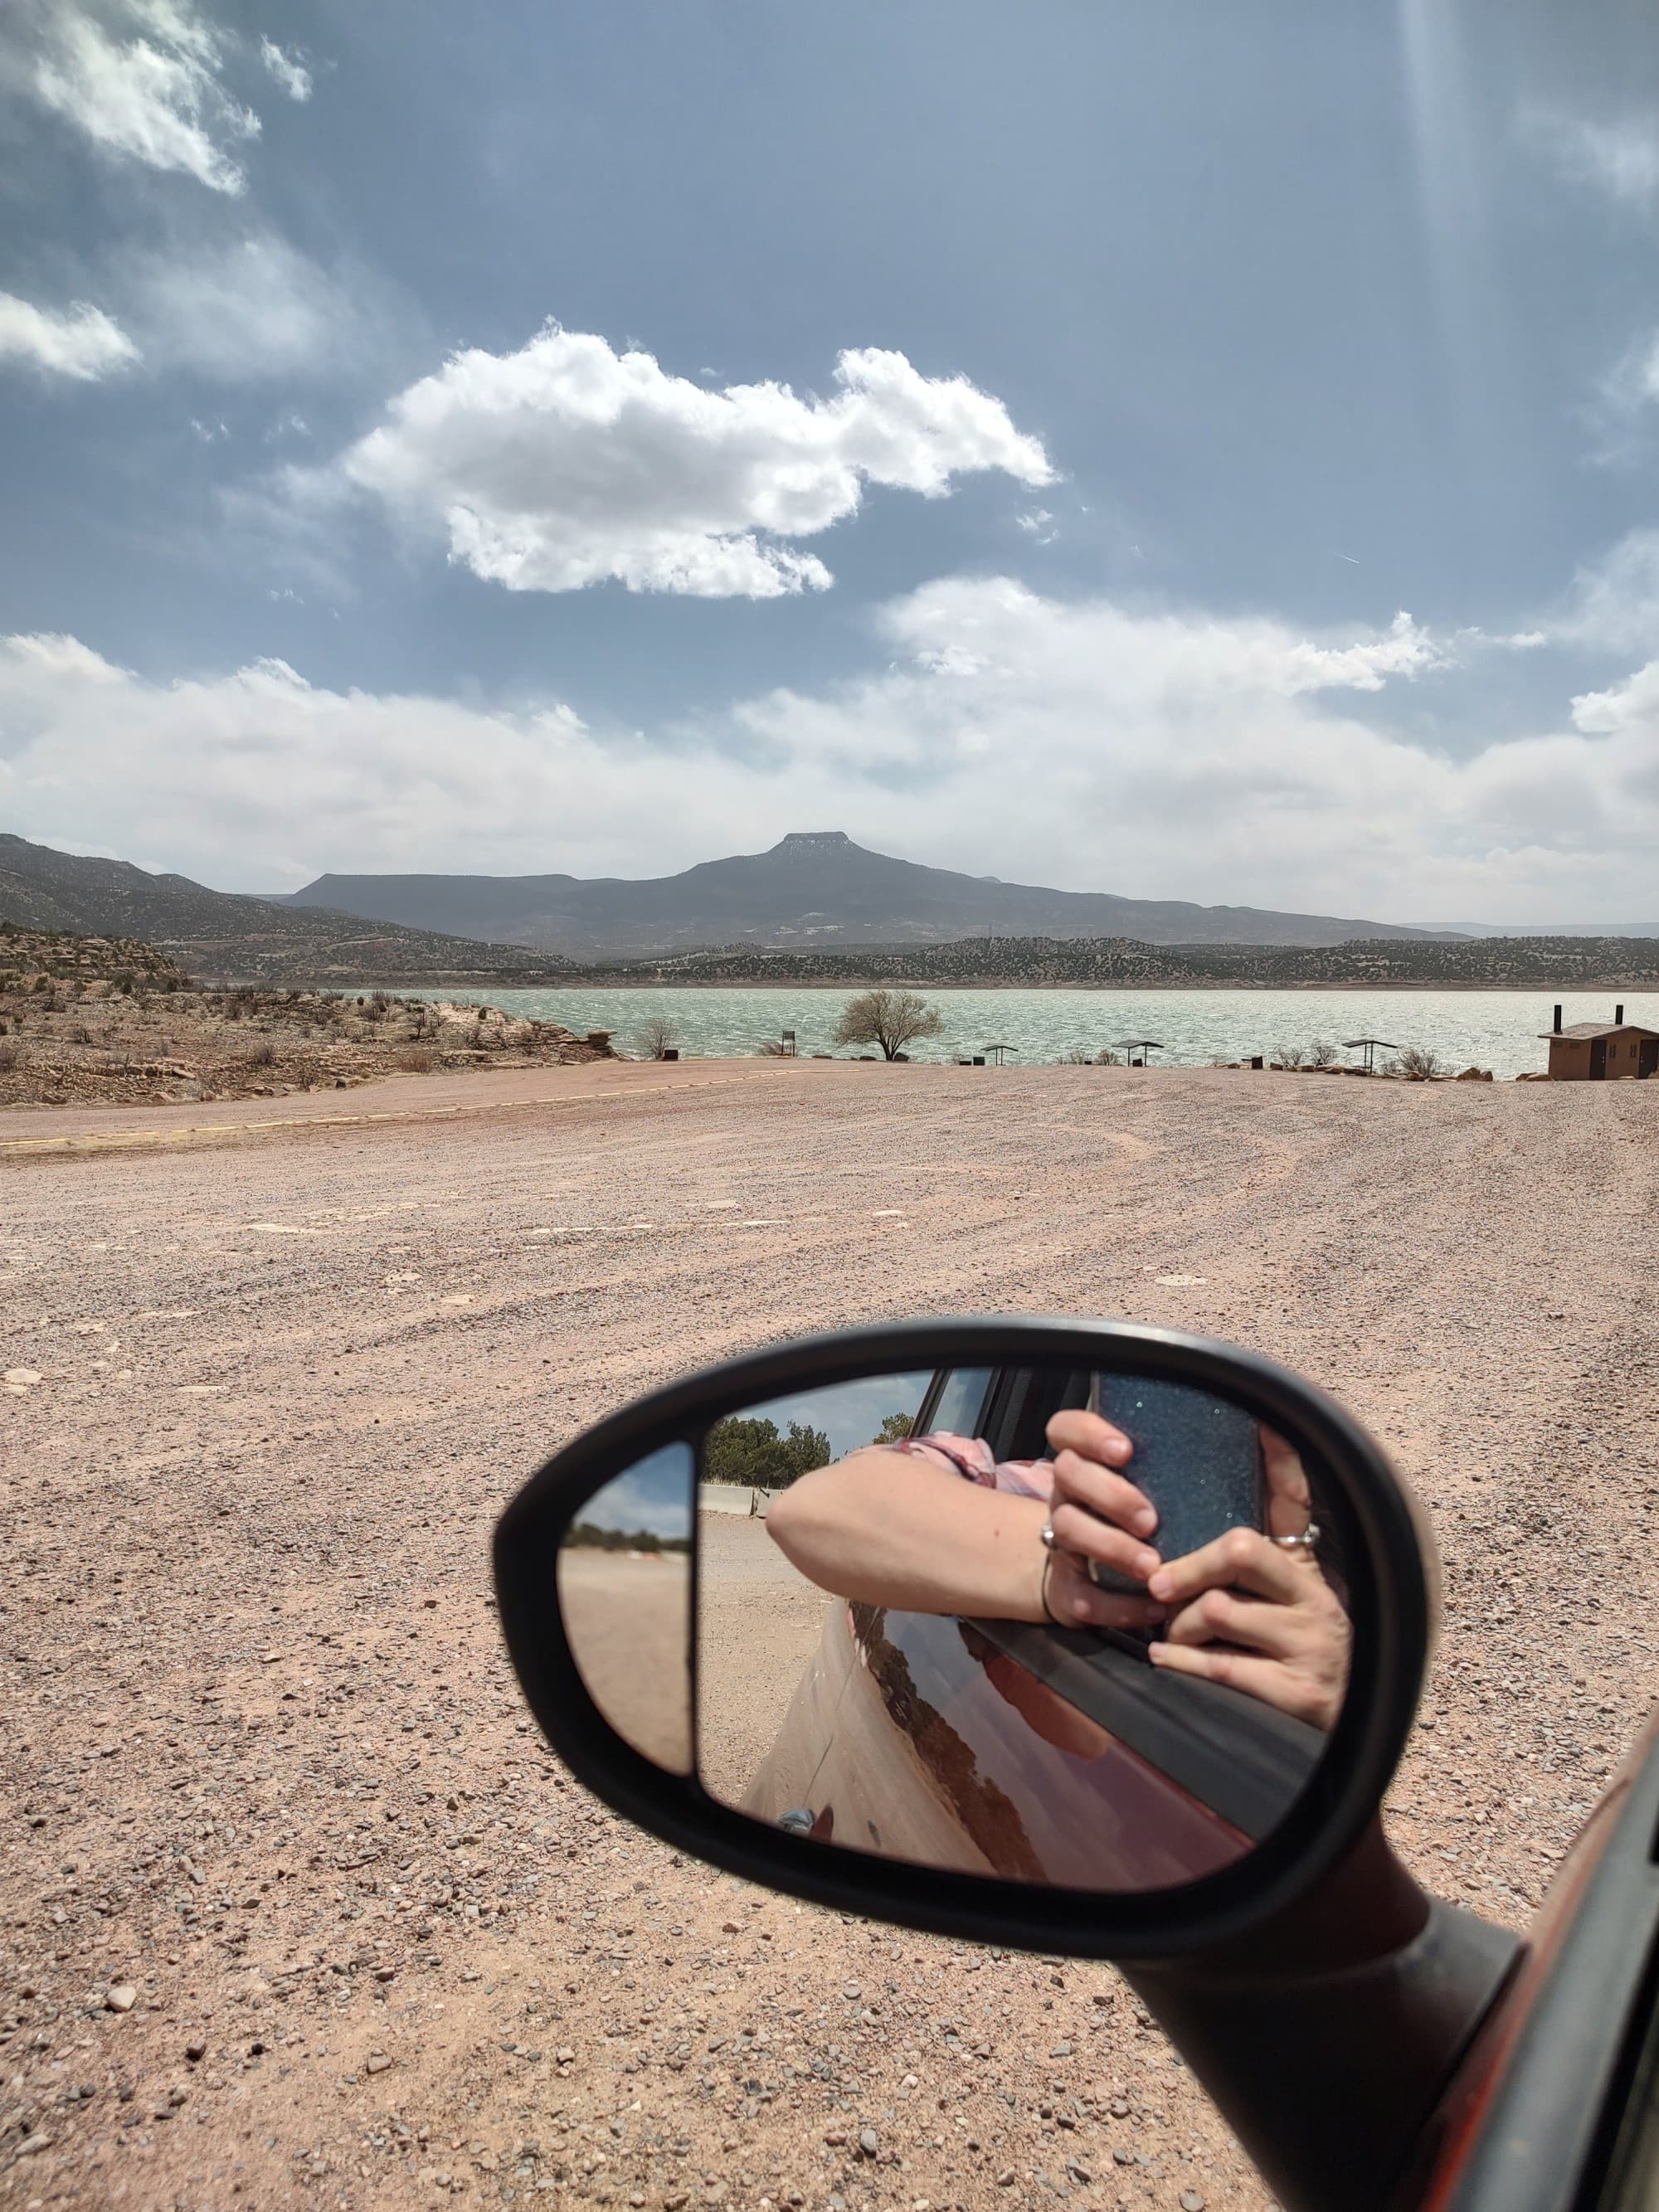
{"x": 1390, "y": 1596}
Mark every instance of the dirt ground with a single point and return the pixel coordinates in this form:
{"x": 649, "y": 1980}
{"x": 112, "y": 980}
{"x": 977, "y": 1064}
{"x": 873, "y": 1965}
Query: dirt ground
{"x": 626, "y": 1615}
{"x": 262, "y": 1761}
{"x": 758, "y": 1624}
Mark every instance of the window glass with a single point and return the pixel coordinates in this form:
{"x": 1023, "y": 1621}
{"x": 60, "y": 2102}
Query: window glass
{"x": 961, "y": 1402}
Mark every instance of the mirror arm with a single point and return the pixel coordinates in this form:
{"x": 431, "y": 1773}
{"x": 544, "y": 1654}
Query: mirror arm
{"x": 1327, "y": 2037}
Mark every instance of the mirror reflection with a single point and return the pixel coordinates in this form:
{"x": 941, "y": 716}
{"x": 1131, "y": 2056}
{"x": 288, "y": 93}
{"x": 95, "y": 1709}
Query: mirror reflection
{"x": 1049, "y": 1625}
{"x": 625, "y": 1593}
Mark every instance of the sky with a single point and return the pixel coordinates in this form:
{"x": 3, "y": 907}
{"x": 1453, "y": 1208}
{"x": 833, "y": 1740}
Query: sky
{"x": 654, "y": 1495}
{"x": 1185, "y": 452}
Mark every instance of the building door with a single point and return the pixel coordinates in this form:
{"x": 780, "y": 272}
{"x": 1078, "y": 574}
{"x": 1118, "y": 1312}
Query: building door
{"x": 1598, "y": 1060}
{"x": 1648, "y": 1063}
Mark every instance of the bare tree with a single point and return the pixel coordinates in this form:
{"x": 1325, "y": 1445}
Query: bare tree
{"x": 656, "y": 1037}
{"x": 1107, "y": 1058}
{"x": 1288, "y": 1055}
{"x": 891, "y": 1019}
{"x": 1322, "y": 1053}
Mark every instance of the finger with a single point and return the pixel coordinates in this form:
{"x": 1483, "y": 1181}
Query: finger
{"x": 1241, "y": 1556}
{"x": 1290, "y": 1500}
{"x": 1279, "y": 1632}
{"x": 1263, "y": 1678}
{"x": 1073, "y": 1599}
{"x": 1081, "y": 1482}
{"x": 1259, "y": 1678}
{"x": 1091, "y": 1538}
{"x": 1084, "y": 1433}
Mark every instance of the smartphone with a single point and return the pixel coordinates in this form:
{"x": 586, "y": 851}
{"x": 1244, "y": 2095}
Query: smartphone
{"x": 1196, "y": 1457}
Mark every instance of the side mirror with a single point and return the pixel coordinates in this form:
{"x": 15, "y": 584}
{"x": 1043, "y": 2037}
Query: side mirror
{"x": 891, "y": 1732}
{"x": 796, "y": 1615}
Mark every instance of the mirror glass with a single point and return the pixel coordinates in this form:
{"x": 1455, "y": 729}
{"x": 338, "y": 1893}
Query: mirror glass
{"x": 625, "y": 1594}
{"x": 892, "y": 1656}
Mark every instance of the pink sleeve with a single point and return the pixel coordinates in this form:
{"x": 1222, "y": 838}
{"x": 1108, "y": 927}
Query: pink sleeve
{"x": 971, "y": 1457}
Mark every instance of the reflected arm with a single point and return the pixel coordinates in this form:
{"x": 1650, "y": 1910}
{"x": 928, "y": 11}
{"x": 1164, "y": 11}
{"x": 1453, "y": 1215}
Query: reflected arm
{"x": 895, "y": 1530}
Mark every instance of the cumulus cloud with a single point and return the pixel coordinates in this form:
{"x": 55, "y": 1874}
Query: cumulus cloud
{"x": 289, "y": 73}
{"x": 80, "y": 341}
{"x": 1095, "y": 745}
{"x": 567, "y": 463}
{"x": 143, "y": 80}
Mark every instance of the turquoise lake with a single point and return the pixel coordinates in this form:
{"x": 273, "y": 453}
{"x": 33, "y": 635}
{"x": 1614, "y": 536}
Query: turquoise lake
{"x": 1497, "y": 1030}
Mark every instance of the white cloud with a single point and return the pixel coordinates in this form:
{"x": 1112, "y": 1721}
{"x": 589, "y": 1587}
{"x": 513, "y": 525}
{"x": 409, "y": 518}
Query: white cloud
{"x": 251, "y": 309}
{"x": 291, "y": 74}
{"x": 79, "y": 342}
{"x": 1613, "y": 604}
{"x": 1620, "y": 158}
{"x": 142, "y": 79}
{"x": 1093, "y": 745}
{"x": 567, "y": 463}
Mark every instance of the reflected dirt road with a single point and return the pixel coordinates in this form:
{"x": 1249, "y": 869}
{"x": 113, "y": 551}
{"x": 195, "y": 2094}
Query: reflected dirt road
{"x": 626, "y": 1614}
{"x": 761, "y": 1623}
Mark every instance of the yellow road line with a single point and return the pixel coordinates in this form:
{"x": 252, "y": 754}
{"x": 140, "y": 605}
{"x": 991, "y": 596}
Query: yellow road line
{"x": 129, "y": 1140}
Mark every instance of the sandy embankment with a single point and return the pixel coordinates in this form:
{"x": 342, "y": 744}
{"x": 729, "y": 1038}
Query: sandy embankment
{"x": 265, "y": 1764}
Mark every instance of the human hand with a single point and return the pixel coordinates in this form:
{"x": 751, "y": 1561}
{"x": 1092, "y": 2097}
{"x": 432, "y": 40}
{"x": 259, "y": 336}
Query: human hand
{"x": 1097, "y": 1513}
{"x": 1262, "y": 1619}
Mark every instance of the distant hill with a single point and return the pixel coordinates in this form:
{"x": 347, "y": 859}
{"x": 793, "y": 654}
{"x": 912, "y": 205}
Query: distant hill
{"x": 1540, "y": 964}
{"x": 811, "y": 889}
{"x": 224, "y": 938}
{"x": 1551, "y": 929}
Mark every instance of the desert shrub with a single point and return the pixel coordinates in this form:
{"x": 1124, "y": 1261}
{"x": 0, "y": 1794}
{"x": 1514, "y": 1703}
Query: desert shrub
{"x": 656, "y": 1037}
{"x": 1107, "y": 1058}
{"x": 260, "y": 1055}
{"x": 1288, "y": 1055}
{"x": 11, "y": 1054}
{"x": 78, "y": 1033}
{"x": 1322, "y": 1053}
{"x": 1074, "y": 1056}
{"x": 768, "y": 1048}
{"x": 1418, "y": 1064}
{"x": 417, "y": 1060}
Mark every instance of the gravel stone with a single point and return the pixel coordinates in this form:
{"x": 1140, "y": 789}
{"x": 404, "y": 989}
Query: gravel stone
{"x": 355, "y": 1768}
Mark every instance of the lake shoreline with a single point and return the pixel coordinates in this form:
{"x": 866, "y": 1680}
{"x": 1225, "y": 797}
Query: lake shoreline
{"x": 600, "y": 982}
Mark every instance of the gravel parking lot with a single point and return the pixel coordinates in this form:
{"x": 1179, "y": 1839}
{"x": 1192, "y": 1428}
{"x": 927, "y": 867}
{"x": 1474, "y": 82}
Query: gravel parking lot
{"x": 294, "y": 1908}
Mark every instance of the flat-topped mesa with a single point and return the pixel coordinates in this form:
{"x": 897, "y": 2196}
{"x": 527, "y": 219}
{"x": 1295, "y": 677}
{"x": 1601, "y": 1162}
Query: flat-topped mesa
{"x": 813, "y": 840}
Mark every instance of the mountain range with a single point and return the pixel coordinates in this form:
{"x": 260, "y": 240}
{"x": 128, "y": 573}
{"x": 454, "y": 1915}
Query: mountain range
{"x": 222, "y": 934}
{"x": 813, "y": 891}
{"x": 227, "y": 937}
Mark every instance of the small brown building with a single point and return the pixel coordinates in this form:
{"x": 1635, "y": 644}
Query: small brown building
{"x": 1602, "y": 1052}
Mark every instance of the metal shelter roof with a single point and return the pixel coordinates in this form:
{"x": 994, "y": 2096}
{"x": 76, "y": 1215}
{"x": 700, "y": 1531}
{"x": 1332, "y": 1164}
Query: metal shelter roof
{"x": 1585, "y": 1032}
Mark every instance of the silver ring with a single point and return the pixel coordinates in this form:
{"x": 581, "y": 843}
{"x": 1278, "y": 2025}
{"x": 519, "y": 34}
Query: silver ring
{"x": 1304, "y": 1542}
{"x": 1050, "y": 1541}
